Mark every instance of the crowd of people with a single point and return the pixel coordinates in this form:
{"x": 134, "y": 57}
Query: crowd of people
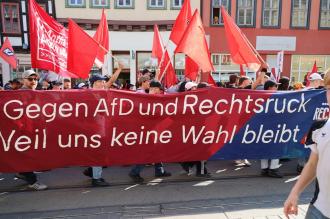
{"x": 148, "y": 84}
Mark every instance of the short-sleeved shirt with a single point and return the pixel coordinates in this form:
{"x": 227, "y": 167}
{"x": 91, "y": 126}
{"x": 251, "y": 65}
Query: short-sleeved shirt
{"x": 319, "y": 142}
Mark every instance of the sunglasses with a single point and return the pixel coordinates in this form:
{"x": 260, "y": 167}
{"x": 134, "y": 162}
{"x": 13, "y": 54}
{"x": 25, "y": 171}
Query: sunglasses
{"x": 32, "y": 79}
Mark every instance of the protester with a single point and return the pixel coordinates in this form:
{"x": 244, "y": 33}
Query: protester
{"x": 13, "y": 85}
{"x": 45, "y": 85}
{"x": 270, "y": 167}
{"x": 189, "y": 86}
{"x": 30, "y": 82}
{"x": 298, "y": 86}
{"x": 56, "y": 85}
{"x": 316, "y": 167}
{"x": 143, "y": 84}
{"x": 154, "y": 87}
{"x": 97, "y": 83}
{"x": 66, "y": 84}
{"x": 284, "y": 83}
{"x": 315, "y": 81}
{"x": 233, "y": 81}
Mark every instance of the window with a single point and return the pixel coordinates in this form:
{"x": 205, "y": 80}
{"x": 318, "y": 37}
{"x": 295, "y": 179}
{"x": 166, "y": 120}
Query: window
{"x": 10, "y": 18}
{"x": 124, "y": 4}
{"x": 300, "y": 13}
{"x": 271, "y": 13}
{"x": 179, "y": 65}
{"x": 216, "y": 18}
{"x": 156, "y": 4}
{"x": 177, "y": 4}
{"x": 245, "y": 12}
{"x": 302, "y": 64}
{"x": 76, "y": 3}
{"x": 100, "y": 3}
{"x": 325, "y": 14}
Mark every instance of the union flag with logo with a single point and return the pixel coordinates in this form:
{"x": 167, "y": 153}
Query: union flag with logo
{"x": 7, "y": 53}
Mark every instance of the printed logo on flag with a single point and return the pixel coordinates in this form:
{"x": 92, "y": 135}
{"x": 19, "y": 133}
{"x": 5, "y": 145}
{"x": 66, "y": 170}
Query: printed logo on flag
{"x": 8, "y": 52}
{"x": 52, "y": 45}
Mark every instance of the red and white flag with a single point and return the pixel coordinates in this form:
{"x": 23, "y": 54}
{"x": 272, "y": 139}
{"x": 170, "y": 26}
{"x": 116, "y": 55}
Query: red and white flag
{"x": 48, "y": 42}
{"x": 7, "y": 53}
{"x": 101, "y": 36}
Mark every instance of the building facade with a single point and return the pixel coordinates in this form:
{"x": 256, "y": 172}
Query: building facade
{"x": 301, "y": 28}
{"x": 131, "y": 28}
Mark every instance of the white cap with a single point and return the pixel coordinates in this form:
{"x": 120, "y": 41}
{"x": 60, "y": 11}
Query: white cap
{"x": 315, "y": 76}
{"x": 190, "y": 85}
{"x": 28, "y": 73}
{"x": 81, "y": 85}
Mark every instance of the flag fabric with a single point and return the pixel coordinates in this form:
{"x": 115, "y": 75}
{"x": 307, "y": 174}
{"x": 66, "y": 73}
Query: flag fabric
{"x": 157, "y": 45}
{"x": 167, "y": 73}
{"x": 274, "y": 74}
{"x": 191, "y": 69}
{"x": 181, "y": 22}
{"x": 169, "y": 77}
{"x": 240, "y": 50}
{"x": 194, "y": 45}
{"x": 210, "y": 80}
{"x": 82, "y": 51}
{"x": 101, "y": 36}
{"x": 48, "y": 42}
{"x": 314, "y": 70}
{"x": 241, "y": 69}
{"x": 7, "y": 53}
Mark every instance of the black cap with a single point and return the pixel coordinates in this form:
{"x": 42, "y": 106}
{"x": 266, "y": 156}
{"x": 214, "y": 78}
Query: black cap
{"x": 97, "y": 77}
{"x": 156, "y": 84}
{"x": 268, "y": 84}
{"x": 57, "y": 83}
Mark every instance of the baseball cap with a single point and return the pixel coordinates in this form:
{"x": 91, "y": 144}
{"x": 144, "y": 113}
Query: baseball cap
{"x": 156, "y": 84}
{"x": 270, "y": 83}
{"x": 315, "y": 76}
{"x": 81, "y": 85}
{"x": 28, "y": 73}
{"x": 57, "y": 83}
{"x": 97, "y": 77}
{"x": 189, "y": 85}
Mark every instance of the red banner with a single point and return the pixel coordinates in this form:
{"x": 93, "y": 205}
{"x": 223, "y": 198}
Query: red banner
{"x": 48, "y": 41}
{"x": 50, "y": 129}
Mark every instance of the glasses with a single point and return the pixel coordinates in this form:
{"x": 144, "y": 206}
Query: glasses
{"x": 31, "y": 79}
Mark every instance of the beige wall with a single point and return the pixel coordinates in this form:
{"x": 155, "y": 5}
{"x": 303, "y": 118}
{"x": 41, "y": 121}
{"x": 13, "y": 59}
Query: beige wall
{"x": 139, "y": 13}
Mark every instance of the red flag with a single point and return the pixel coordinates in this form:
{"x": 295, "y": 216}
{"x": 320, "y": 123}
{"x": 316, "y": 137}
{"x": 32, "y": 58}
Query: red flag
{"x": 240, "y": 50}
{"x": 7, "y": 53}
{"x": 170, "y": 78}
{"x": 194, "y": 45}
{"x": 166, "y": 66}
{"x": 102, "y": 37}
{"x": 157, "y": 45}
{"x": 191, "y": 69}
{"x": 181, "y": 22}
{"x": 82, "y": 51}
{"x": 210, "y": 80}
{"x": 314, "y": 70}
{"x": 48, "y": 42}
{"x": 242, "y": 72}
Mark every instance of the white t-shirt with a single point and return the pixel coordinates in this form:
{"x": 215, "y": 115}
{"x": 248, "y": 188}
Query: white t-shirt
{"x": 320, "y": 144}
